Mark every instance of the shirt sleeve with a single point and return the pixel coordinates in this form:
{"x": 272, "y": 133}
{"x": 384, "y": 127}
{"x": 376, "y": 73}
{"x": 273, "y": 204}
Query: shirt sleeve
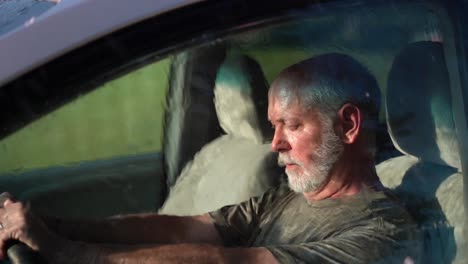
{"x": 237, "y": 224}
{"x": 367, "y": 243}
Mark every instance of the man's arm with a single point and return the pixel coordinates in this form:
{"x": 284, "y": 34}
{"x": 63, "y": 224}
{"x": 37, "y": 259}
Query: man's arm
{"x": 139, "y": 228}
{"x": 19, "y": 223}
{"x": 77, "y": 252}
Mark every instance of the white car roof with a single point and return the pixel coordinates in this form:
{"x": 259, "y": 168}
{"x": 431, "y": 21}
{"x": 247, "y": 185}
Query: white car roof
{"x": 70, "y": 24}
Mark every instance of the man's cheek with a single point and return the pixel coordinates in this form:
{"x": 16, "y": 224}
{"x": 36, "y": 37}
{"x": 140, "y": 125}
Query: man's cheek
{"x": 300, "y": 160}
{"x": 309, "y": 161}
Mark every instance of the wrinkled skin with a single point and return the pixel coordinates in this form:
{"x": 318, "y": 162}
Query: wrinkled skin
{"x": 307, "y": 144}
{"x": 142, "y": 238}
{"x": 18, "y": 222}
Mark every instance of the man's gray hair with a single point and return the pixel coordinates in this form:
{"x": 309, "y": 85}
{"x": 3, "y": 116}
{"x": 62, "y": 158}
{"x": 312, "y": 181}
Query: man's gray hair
{"x": 327, "y": 82}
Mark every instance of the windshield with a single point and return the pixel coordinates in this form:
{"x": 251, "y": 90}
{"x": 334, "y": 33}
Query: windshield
{"x": 14, "y": 13}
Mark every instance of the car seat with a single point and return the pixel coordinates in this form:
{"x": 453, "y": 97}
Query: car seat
{"x": 239, "y": 164}
{"x": 428, "y": 175}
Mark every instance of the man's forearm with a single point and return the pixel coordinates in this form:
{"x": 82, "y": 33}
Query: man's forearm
{"x": 137, "y": 229}
{"x": 74, "y": 252}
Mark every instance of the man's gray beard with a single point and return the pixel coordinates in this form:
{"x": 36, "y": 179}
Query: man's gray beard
{"x": 323, "y": 160}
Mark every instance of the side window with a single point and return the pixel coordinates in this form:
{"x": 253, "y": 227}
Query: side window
{"x": 409, "y": 49}
{"x": 123, "y": 117}
{"x": 98, "y": 155}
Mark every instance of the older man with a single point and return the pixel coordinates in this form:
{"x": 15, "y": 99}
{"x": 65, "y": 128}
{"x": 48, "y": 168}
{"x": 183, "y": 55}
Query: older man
{"x": 334, "y": 210}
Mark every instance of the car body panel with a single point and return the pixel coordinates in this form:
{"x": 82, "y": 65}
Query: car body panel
{"x": 68, "y": 25}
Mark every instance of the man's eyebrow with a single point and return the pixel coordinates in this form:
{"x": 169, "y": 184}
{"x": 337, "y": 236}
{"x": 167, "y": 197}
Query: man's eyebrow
{"x": 278, "y": 120}
{"x": 288, "y": 116}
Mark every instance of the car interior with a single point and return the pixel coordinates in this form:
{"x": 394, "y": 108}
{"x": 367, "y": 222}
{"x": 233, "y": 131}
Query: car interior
{"x": 240, "y": 158}
{"x": 427, "y": 176}
{"x": 213, "y": 136}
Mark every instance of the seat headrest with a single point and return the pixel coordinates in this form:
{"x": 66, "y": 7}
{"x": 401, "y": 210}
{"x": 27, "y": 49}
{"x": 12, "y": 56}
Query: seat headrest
{"x": 419, "y": 107}
{"x": 241, "y": 93}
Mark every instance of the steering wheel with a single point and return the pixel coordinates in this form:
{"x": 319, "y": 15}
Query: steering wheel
{"x": 19, "y": 253}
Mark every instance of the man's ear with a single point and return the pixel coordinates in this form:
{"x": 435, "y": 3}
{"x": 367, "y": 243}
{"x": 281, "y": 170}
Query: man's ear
{"x": 350, "y": 119}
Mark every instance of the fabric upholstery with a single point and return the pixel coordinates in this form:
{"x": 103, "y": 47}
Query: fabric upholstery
{"x": 419, "y": 105}
{"x": 428, "y": 176}
{"x": 237, "y": 165}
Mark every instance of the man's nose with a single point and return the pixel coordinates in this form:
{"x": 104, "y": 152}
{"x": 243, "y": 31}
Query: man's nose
{"x": 279, "y": 142}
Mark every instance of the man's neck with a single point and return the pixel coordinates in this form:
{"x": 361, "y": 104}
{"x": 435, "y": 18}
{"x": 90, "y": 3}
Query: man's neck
{"x": 348, "y": 177}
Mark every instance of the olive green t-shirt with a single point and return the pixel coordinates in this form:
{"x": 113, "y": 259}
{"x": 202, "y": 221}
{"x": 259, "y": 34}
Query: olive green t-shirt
{"x": 369, "y": 227}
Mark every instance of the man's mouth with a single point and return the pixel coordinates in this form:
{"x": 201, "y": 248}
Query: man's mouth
{"x": 285, "y": 161}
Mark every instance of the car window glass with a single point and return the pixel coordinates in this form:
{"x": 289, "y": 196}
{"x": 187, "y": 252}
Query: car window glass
{"x": 405, "y": 47}
{"x": 123, "y": 117}
{"x": 170, "y": 107}
{"x": 14, "y": 14}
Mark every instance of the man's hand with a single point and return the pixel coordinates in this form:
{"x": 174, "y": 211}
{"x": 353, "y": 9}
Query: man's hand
{"x": 17, "y": 223}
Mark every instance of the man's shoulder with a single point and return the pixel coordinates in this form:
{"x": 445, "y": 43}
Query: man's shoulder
{"x": 377, "y": 206}
{"x": 388, "y": 203}
{"x": 393, "y": 217}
